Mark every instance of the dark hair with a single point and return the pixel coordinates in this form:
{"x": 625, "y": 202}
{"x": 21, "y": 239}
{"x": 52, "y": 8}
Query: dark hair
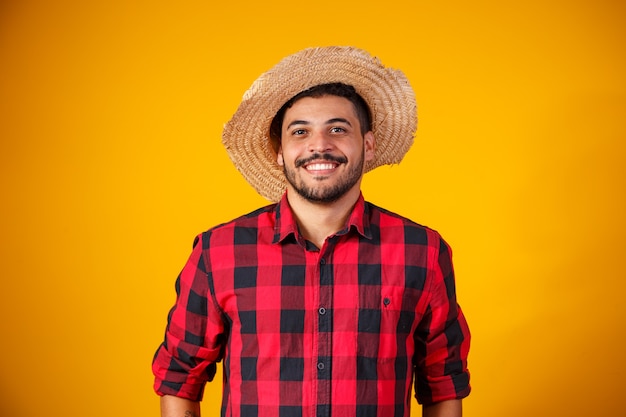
{"x": 332, "y": 89}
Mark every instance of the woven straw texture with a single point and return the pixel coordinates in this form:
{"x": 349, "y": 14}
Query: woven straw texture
{"x": 387, "y": 92}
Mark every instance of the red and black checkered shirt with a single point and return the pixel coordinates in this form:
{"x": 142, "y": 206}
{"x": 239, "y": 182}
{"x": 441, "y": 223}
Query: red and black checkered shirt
{"x": 339, "y": 331}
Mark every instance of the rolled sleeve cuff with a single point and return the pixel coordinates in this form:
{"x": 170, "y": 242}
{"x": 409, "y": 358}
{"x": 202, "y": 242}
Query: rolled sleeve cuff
{"x": 451, "y": 387}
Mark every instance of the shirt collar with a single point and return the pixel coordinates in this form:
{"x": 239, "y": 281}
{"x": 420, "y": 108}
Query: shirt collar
{"x": 285, "y": 222}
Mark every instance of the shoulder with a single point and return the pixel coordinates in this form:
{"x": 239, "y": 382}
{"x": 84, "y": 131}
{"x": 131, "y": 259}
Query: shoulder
{"x": 389, "y": 222}
{"x": 390, "y": 227}
{"x": 261, "y": 218}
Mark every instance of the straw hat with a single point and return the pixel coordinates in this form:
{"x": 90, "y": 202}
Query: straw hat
{"x": 386, "y": 91}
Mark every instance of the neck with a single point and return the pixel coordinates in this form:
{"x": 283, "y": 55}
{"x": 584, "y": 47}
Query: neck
{"x": 318, "y": 221}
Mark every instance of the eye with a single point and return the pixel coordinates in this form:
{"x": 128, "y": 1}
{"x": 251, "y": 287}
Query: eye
{"x": 298, "y": 132}
{"x": 337, "y": 129}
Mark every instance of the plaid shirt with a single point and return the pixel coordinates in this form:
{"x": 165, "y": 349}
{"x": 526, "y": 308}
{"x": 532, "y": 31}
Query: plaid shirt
{"x": 337, "y": 331}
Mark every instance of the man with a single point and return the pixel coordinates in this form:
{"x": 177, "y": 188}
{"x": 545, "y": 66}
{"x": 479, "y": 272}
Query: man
{"x": 321, "y": 304}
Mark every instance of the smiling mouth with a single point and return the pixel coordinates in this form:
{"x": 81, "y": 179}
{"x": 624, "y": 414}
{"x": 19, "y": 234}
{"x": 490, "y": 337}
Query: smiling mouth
{"x": 320, "y": 166}
{"x": 321, "y": 162}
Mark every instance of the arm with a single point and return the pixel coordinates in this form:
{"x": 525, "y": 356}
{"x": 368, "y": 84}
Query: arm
{"x": 450, "y": 408}
{"x": 194, "y": 335}
{"x": 442, "y": 337}
{"x": 179, "y": 407}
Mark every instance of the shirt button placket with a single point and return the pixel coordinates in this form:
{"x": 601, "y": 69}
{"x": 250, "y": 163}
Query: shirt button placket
{"x": 325, "y": 337}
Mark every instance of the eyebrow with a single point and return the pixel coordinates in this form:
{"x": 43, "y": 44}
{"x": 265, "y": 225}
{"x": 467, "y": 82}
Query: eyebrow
{"x": 328, "y": 122}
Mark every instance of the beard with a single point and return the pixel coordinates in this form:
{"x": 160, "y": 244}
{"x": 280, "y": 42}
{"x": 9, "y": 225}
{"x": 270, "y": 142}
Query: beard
{"x": 322, "y": 194}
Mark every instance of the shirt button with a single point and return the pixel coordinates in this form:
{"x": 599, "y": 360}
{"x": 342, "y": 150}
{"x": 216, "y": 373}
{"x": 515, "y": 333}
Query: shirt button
{"x": 320, "y": 366}
{"x": 322, "y": 311}
{"x": 323, "y": 261}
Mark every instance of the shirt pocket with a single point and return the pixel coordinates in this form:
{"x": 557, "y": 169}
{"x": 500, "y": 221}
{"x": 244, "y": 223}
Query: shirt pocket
{"x": 385, "y": 324}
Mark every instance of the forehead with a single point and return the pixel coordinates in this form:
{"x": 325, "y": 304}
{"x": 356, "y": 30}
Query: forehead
{"x": 323, "y": 106}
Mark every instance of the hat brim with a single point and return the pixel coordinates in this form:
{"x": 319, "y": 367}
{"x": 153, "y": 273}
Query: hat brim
{"x": 386, "y": 91}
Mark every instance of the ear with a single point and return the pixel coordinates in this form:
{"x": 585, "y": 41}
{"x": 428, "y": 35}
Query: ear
{"x": 369, "y": 145}
{"x": 279, "y": 157}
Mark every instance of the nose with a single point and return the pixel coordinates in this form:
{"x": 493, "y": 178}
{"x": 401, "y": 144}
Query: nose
{"x": 319, "y": 142}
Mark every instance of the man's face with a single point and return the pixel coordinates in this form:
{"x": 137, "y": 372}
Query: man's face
{"x": 322, "y": 150}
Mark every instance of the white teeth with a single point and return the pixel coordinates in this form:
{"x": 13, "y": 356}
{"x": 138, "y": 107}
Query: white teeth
{"x": 319, "y": 167}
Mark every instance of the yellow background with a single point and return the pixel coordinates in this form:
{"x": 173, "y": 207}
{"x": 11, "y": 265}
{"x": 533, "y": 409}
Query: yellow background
{"x": 110, "y": 121}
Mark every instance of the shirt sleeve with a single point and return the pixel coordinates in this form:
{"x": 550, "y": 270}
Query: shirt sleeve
{"x": 442, "y": 338}
{"x": 195, "y": 330}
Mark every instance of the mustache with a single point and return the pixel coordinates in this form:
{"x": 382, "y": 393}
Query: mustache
{"x": 320, "y": 156}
